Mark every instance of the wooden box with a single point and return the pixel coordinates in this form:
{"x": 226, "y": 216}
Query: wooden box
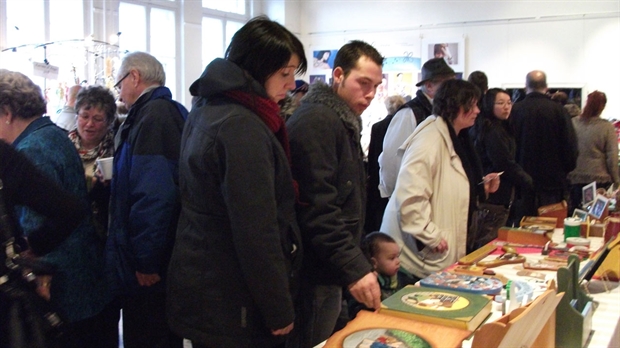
{"x": 557, "y": 210}
{"x": 523, "y": 236}
{"x": 548, "y": 222}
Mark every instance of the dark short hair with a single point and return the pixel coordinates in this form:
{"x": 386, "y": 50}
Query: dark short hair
{"x": 349, "y": 54}
{"x": 452, "y": 95}
{"x": 262, "y": 47}
{"x": 20, "y": 96}
{"x": 479, "y": 79}
{"x": 97, "y": 97}
{"x": 371, "y": 243}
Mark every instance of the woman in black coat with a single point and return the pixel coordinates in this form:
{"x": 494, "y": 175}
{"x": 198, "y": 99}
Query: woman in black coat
{"x": 237, "y": 252}
{"x": 496, "y": 146}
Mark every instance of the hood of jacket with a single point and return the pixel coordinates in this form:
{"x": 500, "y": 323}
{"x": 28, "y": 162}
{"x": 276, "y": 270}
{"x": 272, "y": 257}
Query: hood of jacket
{"x": 222, "y": 75}
{"x": 321, "y": 93}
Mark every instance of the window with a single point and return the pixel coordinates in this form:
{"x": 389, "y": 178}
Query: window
{"x": 214, "y": 42}
{"x": 132, "y": 25}
{"x": 150, "y": 29}
{"x": 66, "y": 20}
{"x": 233, "y": 6}
{"x": 212, "y": 39}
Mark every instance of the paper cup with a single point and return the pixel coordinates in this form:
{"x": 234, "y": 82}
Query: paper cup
{"x": 105, "y": 167}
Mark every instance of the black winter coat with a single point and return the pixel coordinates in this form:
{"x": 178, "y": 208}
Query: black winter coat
{"x": 497, "y": 148}
{"x": 546, "y": 141}
{"x": 328, "y": 165}
{"x": 238, "y": 246}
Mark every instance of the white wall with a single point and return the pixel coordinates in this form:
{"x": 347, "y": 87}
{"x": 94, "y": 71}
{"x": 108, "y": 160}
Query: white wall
{"x": 576, "y": 43}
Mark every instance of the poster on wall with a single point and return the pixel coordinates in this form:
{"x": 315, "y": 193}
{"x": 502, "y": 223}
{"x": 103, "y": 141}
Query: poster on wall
{"x": 452, "y": 50}
{"x": 323, "y": 59}
{"x": 315, "y": 78}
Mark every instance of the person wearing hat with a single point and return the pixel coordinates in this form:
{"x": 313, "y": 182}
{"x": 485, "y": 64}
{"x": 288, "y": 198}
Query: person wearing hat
{"x": 434, "y": 72}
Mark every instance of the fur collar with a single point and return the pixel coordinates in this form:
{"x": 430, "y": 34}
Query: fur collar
{"x": 321, "y": 93}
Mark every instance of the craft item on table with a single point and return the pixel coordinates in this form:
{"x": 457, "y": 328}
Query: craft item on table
{"x": 556, "y": 210}
{"x": 539, "y": 222}
{"x": 546, "y": 265}
{"x": 463, "y": 282}
{"x": 469, "y": 269}
{"x": 390, "y": 331}
{"x": 561, "y": 256}
{"x": 439, "y": 306}
{"x": 545, "y": 250}
{"x": 531, "y": 274}
{"x": 477, "y": 254}
{"x": 509, "y": 257}
{"x": 524, "y": 235}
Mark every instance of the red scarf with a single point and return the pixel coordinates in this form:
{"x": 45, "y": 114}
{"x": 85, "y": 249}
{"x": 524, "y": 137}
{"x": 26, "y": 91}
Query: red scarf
{"x": 269, "y": 113}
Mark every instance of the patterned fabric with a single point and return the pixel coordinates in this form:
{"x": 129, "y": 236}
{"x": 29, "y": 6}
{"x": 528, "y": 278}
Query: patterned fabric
{"x": 103, "y": 150}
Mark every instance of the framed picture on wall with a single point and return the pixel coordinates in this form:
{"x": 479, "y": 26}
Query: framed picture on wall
{"x": 323, "y": 59}
{"x": 452, "y": 50}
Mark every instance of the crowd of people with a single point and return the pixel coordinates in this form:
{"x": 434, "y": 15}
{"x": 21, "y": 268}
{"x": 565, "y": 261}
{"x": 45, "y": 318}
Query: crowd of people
{"x": 254, "y": 220}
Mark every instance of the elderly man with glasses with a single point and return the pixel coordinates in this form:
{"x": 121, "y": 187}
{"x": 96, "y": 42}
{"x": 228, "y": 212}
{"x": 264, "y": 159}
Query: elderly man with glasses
{"x": 144, "y": 202}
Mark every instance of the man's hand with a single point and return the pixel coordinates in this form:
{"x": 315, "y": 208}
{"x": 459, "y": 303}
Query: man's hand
{"x": 147, "y": 279}
{"x": 366, "y": 290}
{"x": 43, "y": 286}
{"x": 283, "y": 331}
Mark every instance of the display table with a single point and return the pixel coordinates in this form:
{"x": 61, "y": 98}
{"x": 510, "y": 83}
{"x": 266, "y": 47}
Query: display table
{"x": 606, "y": 295}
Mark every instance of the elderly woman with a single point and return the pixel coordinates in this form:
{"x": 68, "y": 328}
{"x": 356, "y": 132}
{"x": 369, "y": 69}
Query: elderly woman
{"x": 438, "y": 185}
{"x": 598, "y": 150}
{"x": 94, "y": 138}
{"x": 78, "y": 289}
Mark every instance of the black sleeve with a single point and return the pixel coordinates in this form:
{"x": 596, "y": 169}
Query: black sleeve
{"x": 25, "y": 185}
{"x": 497, "y": 148}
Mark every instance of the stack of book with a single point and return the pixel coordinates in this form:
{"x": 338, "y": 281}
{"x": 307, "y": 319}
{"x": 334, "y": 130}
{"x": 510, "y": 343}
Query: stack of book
{"x": 456, "y": 309}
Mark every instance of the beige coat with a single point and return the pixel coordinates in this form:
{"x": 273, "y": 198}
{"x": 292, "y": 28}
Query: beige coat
{"x": 430, "y": 200}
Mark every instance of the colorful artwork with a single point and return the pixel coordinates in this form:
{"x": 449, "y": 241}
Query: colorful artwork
{"x": 384, "y": 338}
{"x": 463, "y": 282}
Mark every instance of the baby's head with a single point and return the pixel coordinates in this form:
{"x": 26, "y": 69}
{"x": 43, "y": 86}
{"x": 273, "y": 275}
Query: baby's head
{"x": 382, "y": 251}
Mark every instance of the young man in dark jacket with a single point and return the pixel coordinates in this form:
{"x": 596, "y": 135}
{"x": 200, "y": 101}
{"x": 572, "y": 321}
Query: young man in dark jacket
{"x": 327, "y": 162}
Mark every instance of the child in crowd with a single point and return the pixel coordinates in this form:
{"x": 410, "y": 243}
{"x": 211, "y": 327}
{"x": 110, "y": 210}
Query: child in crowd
{"x": 382, "y": 251}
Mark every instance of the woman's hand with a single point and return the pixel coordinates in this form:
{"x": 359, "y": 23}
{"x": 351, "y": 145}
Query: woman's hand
{"x": 442, "y": 247}
{"x": 491, "y": 182}
{"x": 282, "y": 331}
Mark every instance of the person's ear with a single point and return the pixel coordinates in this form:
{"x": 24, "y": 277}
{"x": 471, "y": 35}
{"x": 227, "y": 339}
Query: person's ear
{"x": 338, "y": 75}
{"x": 374, "y": 262}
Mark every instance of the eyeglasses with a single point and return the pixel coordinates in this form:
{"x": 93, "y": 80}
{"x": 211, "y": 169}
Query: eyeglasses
{"x": 87, "y": 118}
{"x": 117, "y": 86}
{"x": 503, "y": 103}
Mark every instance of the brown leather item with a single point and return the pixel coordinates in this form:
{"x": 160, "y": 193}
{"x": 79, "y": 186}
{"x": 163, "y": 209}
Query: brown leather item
{"x": 504, "y": 259}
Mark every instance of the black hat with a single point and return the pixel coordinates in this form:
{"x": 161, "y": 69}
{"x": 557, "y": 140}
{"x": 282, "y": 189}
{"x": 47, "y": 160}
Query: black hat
{"x": 434, "y": 68}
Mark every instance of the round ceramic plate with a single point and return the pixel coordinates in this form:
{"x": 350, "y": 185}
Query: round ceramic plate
{"x": 384, "y": 338}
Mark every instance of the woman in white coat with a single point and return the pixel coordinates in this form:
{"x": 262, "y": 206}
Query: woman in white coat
{"x": 439, "y": 185}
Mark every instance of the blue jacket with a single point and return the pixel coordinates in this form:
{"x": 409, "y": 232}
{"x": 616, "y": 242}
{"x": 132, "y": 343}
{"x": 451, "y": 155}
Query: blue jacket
{"x": 78, "y": 288}
{"x": 144, "y": 203}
